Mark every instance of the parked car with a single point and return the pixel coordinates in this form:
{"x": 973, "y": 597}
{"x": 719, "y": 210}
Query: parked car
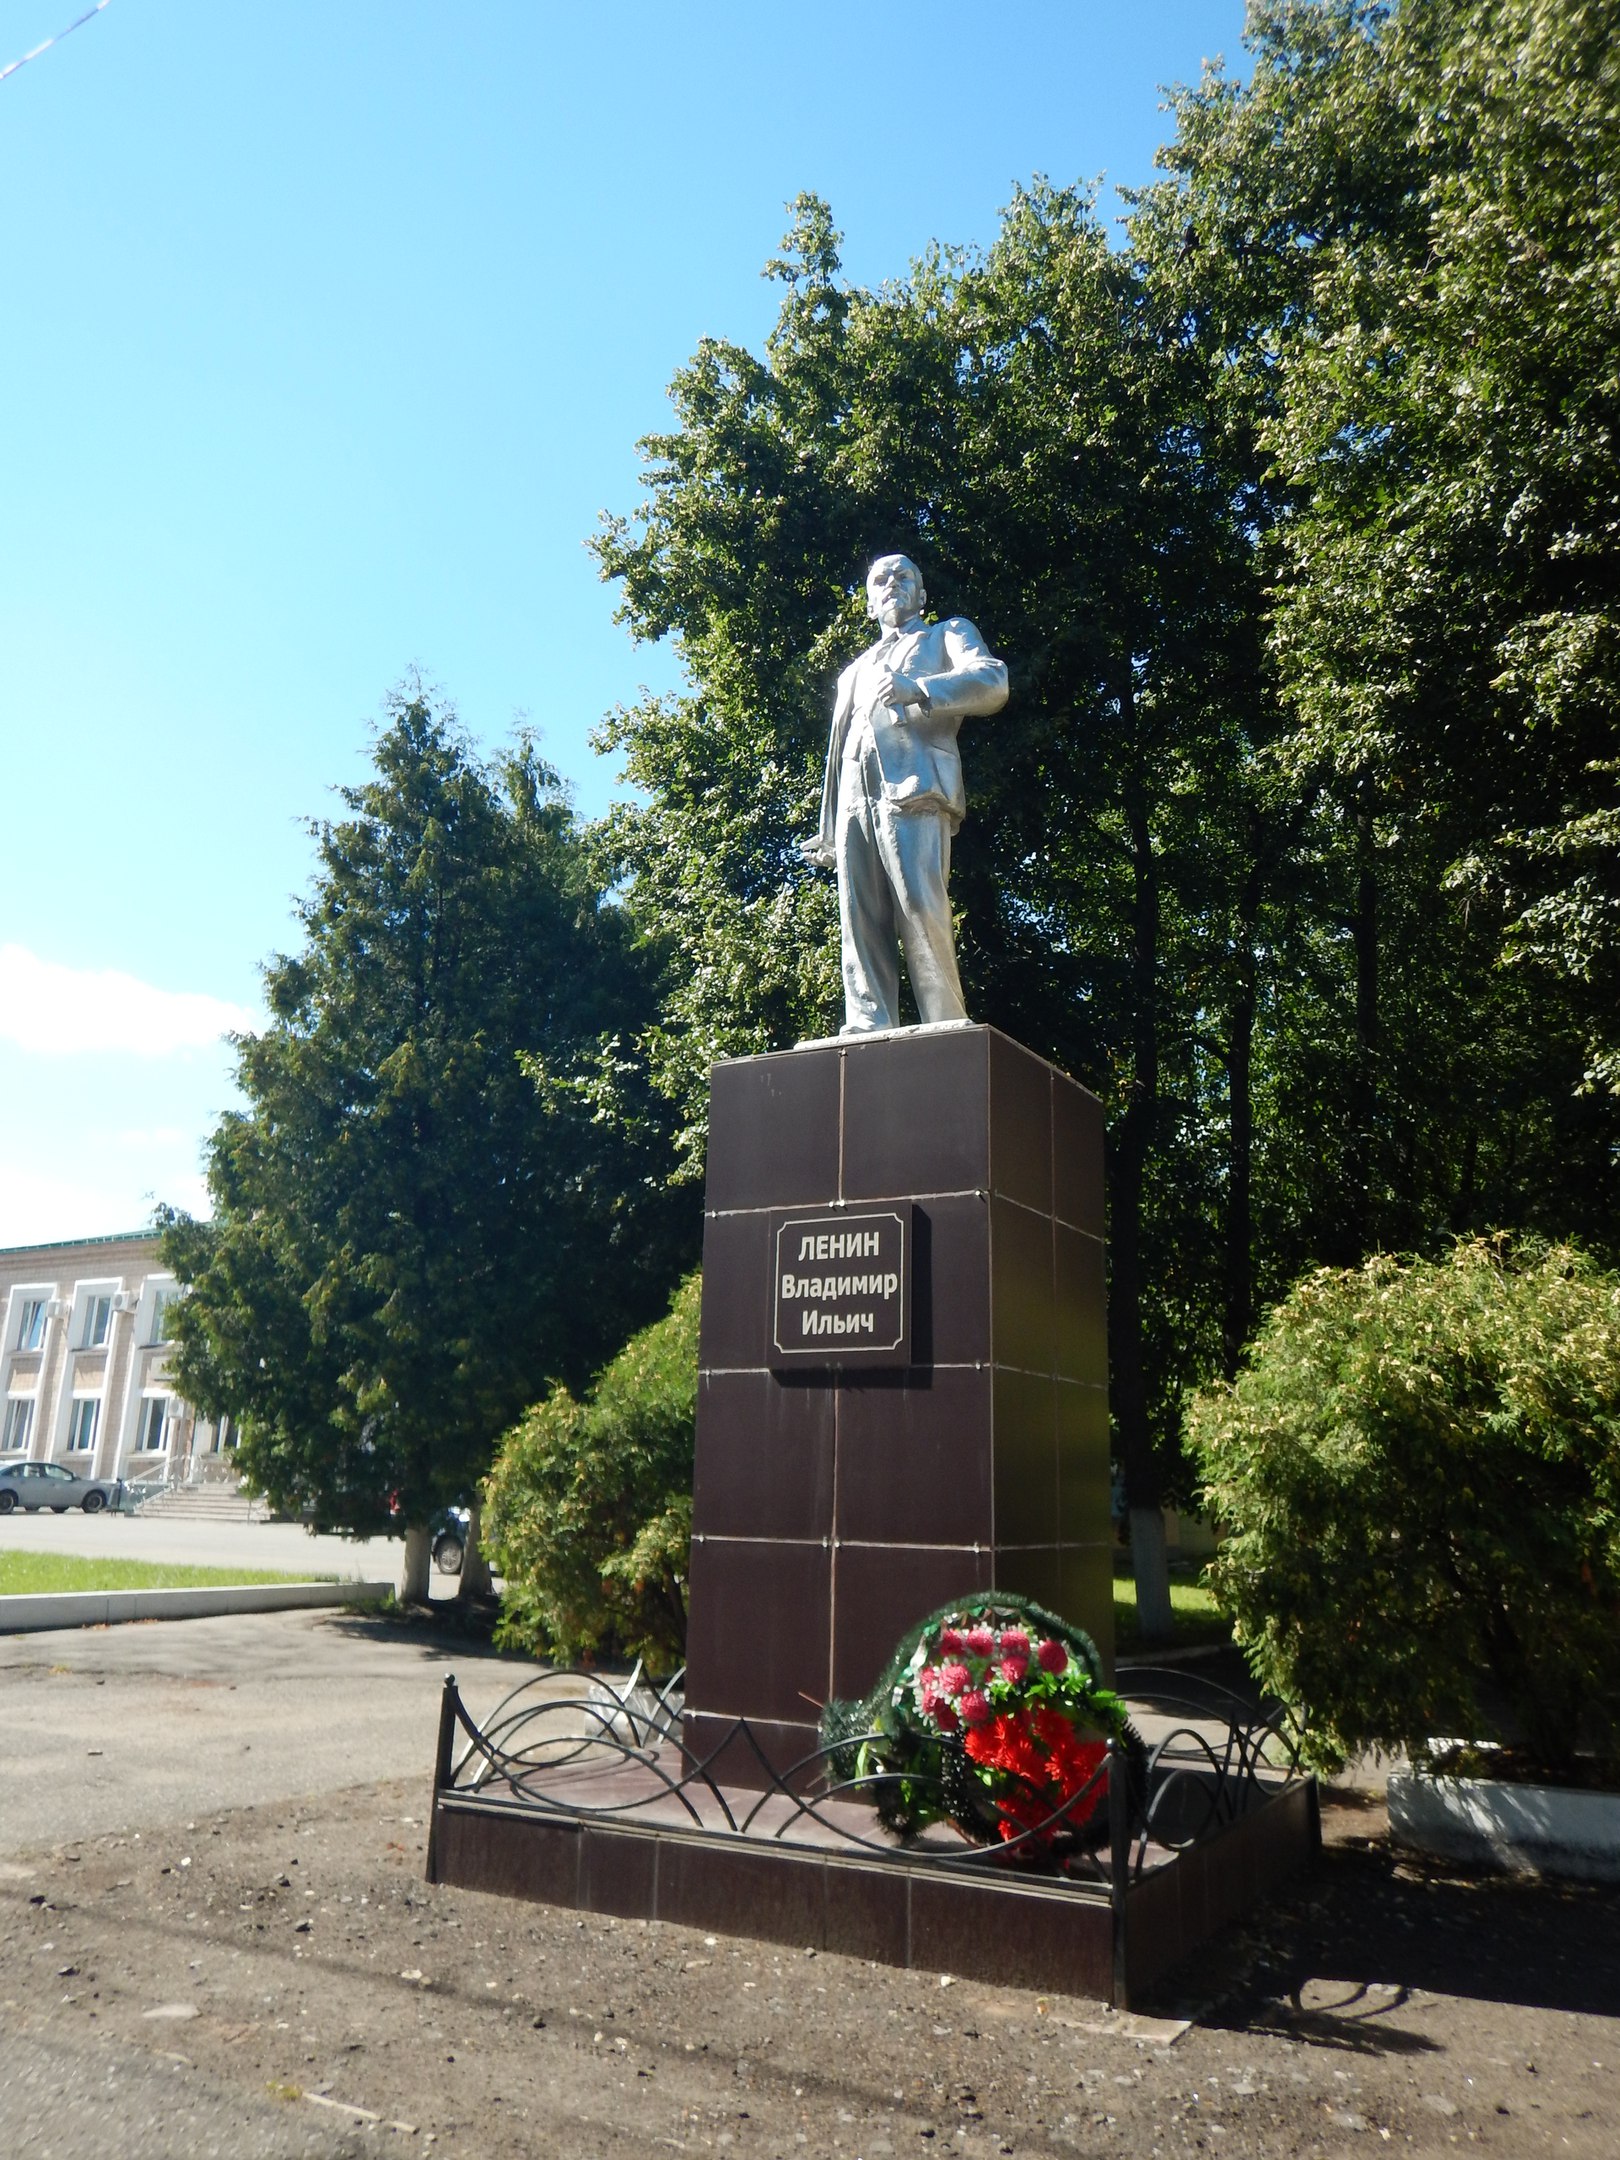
{"x": 448, "y": 1530}
{"x": 49, "y": 1484}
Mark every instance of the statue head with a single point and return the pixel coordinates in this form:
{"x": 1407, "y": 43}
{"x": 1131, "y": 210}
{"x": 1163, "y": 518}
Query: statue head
{"x": 894, "y": 591}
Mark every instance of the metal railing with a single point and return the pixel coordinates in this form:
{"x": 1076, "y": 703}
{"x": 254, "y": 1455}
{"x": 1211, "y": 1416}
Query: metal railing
{"x": 139, "y": 1490}
{"x": 189, "y": 1476}
{"x": 614, "y": 1755}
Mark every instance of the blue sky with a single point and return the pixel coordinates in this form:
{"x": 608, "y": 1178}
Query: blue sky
{"x": 330, "y": 330}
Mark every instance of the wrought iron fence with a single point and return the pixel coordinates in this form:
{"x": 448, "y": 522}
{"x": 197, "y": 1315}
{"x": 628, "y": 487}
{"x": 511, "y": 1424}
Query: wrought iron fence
{"x": 1221, "y": 1756}
{"x": 614, "y": 1755}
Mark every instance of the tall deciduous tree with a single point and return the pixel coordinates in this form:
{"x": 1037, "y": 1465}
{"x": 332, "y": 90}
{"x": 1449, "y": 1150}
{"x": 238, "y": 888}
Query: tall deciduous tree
{"x": 1399, "y": 244}
{"x": 1296, "y": 520}
{"x": 1026, "y": 426}
{"x": 409, "y": 1242}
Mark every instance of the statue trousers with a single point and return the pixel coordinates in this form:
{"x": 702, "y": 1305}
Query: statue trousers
{"x": 894, "y": 866}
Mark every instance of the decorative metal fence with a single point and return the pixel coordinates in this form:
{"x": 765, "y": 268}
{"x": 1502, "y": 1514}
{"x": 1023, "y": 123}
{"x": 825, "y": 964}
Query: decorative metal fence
{"x": 1174, "y": 1832}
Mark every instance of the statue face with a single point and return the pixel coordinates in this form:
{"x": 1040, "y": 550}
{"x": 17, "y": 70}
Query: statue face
{"x": 894, "y": 590}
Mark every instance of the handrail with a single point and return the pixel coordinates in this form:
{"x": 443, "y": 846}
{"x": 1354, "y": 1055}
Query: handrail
{"x": 155, "y": 1485}
{"x": 139, "y": 1490}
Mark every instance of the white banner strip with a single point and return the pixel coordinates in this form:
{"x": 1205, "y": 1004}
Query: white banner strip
{"x": 14, "y": 65}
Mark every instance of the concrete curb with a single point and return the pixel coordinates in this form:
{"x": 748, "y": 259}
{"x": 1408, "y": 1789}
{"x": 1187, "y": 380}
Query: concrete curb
{"x": 96, "y": 1608}
{"x": 1526, "y": 1829}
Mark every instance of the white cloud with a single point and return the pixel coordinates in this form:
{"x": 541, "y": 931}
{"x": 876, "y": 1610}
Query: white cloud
{"x": 38, "y": 1208}
{"x": 62, "y": 1011}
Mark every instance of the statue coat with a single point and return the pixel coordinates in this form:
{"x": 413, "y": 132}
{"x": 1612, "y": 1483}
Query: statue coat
{"x": 917, "y": 751}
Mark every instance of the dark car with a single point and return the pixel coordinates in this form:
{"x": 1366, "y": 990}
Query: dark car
{"x": 448, "y": 1531}
{"x": 53, "y": 1485}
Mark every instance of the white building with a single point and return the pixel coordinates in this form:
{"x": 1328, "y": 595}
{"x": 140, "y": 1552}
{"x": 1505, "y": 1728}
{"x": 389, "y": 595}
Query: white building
{"x": 84, "y": 1357}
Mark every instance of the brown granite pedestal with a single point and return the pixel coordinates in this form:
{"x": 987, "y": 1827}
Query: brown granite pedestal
{"x": 846, "y": 1486}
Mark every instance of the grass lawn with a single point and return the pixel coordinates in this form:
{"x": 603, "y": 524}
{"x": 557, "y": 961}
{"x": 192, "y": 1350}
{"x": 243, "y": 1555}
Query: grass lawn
{"x": 39, "y": 1574}
{"x": 1196, "y": 1619}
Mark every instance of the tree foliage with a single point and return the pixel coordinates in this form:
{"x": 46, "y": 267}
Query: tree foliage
{"x": 1024, "y": 427}
{"x": 1418, "y": 1477}
{"x": 1295, "y": 519}
{"x": 1400, "y": 242}
{"x": 408, "y": 1243}
{"x": 590, "y": 1504}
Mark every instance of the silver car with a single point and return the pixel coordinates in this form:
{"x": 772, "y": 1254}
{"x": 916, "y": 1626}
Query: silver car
{"x": 53, "y": 1485}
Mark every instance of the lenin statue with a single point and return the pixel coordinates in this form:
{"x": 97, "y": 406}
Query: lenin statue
{"x": 892, "y": 799}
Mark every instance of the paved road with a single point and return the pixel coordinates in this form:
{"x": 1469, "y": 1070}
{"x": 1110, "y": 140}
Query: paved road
{"x": 281, "y": 1546}
{"x": 154, "y": 1723}
{"x": 65, "y": 2098}
{"x": 144, "y": 1732}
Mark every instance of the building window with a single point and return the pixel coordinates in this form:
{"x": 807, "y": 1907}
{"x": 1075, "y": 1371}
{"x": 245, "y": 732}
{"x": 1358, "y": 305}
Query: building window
{"x": 97, "y": 1322}
{"x": 159, "y": 1330}
{"x": 19, "y": 1424}
{"x": 82, "y": 1424}
{"x": 154, "y": 1419}
{"x": 31, "y": 1330}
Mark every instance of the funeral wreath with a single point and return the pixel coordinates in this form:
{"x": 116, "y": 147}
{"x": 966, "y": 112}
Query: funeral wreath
{"x": 991, "y": 1716}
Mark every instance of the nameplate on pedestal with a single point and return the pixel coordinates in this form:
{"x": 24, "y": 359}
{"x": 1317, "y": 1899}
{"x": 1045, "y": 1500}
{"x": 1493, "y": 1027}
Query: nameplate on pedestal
{"x": 841, "y": 1293}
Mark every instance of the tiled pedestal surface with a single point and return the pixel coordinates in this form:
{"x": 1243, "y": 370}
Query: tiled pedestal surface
{"x": 833, "y": 1509}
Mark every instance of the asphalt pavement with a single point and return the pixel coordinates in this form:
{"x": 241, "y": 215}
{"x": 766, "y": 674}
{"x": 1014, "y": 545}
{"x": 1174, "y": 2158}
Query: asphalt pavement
{"x": 64, "y": 2099}
{"x": 149, "y": 1724}
{"x": 143, "y": 1733}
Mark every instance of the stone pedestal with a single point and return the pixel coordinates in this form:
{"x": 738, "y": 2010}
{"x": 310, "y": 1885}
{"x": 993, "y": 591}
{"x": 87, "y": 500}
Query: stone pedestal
{"x": 866, "y": 1448}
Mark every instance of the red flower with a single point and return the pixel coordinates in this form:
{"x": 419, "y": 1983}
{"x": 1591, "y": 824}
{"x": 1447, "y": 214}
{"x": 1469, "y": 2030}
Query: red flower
{"x": 950, "y": 1642}
{"x": 979, "y": 1640}
{"x": 953, "y": 1679}
{"x": 1004, "y": 1743}
{"x": 945, "y": 1717}
{"x": 1013, "y": 1669}
{"x": 1048, "y": 1764}
{"x": 975, "y": 1707}
{"x": 1014, "y": 1642}
{"x": 1085, "y": 1759}
{"x": 1052, "y": 1656}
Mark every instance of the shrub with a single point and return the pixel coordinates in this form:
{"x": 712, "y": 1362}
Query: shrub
{"x": 1418, "y": 1478}
{"x": 590, "y": 1505}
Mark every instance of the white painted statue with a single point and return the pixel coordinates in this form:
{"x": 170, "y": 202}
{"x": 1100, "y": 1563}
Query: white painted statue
{"x": 892, "y": 799}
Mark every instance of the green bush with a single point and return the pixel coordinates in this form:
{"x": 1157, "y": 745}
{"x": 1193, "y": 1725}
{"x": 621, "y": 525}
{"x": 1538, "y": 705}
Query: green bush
{"x": 1418, "y": 1479}
{"x": 589, "y": 1505}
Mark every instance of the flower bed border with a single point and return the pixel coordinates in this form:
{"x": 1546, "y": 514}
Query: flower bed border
{"x": 1523, "y": 1829}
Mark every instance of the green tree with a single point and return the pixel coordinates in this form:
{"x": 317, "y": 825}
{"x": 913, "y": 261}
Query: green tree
{"x": 590, "y": 1504}
{"x": 1418, "y": 1475}
{"x": 1295, "y": 520}
{"x": 1026, "y": 424}
{"x": 408, "y": 1242}
{"x": 1397, "y": 244}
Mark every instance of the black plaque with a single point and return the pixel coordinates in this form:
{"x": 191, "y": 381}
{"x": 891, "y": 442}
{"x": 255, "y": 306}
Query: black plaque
{"x": 841, "y": 1287}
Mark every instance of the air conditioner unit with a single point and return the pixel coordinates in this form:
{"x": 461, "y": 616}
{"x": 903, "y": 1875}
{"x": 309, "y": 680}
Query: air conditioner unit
{"x": 57, "y": 1308}
{"x": 125, "y": 1300}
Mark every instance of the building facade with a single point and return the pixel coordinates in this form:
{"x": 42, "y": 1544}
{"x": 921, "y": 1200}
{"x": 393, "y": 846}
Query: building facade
{"x": 84, "y": 1362}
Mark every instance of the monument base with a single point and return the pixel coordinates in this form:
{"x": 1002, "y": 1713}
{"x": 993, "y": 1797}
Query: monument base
{"x": 902, "y": 1396}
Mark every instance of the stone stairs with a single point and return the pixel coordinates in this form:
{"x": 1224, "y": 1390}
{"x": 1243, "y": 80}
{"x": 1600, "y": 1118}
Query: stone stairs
{"x": 206, "y": 1503}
